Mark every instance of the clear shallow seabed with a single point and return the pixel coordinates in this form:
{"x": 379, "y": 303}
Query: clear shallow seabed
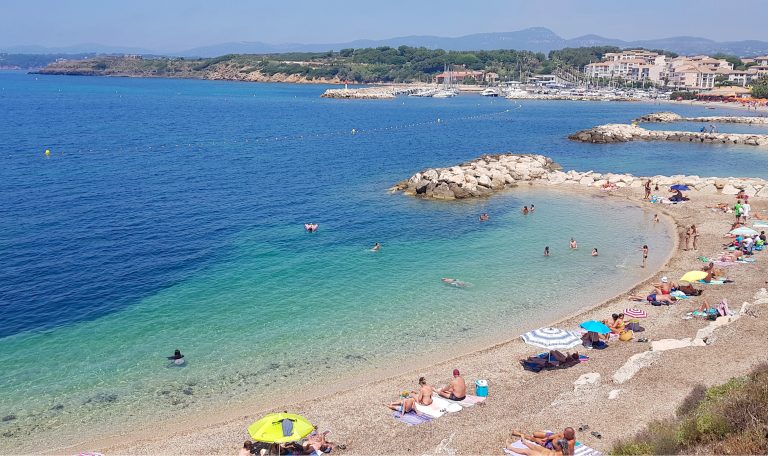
{"x": 170, "y": 215}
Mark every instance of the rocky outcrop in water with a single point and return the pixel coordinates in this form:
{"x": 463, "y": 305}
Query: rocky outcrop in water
{"x": 613, "y": 133}
{"x": 673, "y": 117}
{"x": 489, "y": 174}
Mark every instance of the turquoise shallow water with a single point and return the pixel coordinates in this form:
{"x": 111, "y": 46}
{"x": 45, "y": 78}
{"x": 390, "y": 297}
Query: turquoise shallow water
{"x": 171, "y": 213}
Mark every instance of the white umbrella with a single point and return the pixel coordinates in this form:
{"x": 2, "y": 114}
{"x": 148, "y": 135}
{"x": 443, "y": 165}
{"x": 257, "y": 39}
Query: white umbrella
{"x": 551, "y": 338}
{"x": 744, "y": 231}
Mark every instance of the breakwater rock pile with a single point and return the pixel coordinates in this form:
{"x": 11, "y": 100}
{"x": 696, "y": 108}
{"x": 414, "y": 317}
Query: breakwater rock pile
{"x": 673, "y": 117}
{"x": 493, "y": 173}
{"x": 371, "y": 93}
{"x": 613, "y": 133}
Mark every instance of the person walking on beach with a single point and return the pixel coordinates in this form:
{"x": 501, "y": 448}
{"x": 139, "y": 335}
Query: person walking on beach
{"x": 546, "y": 250}
{"x": 645, "y": 254}
{"x": 424, "y": 394}
{"x": 737, "y": 208}
{"x": 647, "y": 190}
{"x": 573, "y": 244}
{"x": 745, "y": 208}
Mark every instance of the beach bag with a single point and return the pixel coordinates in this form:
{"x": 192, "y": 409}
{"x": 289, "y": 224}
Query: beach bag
{"x": 626, "y": 336}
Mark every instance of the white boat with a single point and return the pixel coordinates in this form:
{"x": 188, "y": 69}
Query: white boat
{"x": 446, "y": 93}
{"x": 490, "y": 92}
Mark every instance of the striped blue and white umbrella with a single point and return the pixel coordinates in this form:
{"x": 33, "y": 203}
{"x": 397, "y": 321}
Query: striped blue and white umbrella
{"x": 551, "y": 338}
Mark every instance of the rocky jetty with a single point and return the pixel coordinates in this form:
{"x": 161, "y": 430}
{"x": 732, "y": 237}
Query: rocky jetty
{"x": 493, "y": 173}
{"x": 674, "y": 117}
{"x": 612, "y": 133}
{"x": 370, "y": 93}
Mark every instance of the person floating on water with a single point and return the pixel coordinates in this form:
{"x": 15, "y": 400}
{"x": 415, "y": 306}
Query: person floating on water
{"x": 546, "y": 250}
{"x": 594, "y": 251}
{"x": 310, "y": 227}
{"x": 177, "y": 357}
{"x": 484, "y": 217}
{"x": 376, "y": 247}
{"x": 574, "y": 246}
{"x": 454, "y": 282}
{"x": 533, "y": 208}
{"x": 525, "y": 210}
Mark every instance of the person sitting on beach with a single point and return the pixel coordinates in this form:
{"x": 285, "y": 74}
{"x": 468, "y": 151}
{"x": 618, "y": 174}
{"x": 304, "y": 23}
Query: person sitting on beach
{"x": 594, "y": 251}
{"x": 454, "y": 282}
{"x": 376, "y": 247}
{"x": 525, "y": 210}
{"x": 573, "y": 244}
{"x": 424, "y": 394}
{"x": 689, "y": 290}
{"x": 564, "y": 442}
{"x": 590, "y": 339}
{"x": 456, "y": 390}
{"x": 665, "y": 287}
{"x": 406, "y": 404}
{"x": 616, "y": 323}
{"x": 246, "y": 449}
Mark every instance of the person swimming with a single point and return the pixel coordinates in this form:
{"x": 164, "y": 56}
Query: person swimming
{"x": 546, "y": 250}
{"x": 594, "y": 251}
{"x": 454, "y": 282}
{"x": 376, "y": 247}
{"x": 525, "y": 210}
{"x": 310, "y": 227}
{"x": 484, "y": 217}
{"x": 573, "y": 244}
{"x": 177, "y": 357}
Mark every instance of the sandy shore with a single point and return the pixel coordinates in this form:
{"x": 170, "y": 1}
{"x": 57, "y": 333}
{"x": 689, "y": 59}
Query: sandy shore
{"x": 520, "y": 399}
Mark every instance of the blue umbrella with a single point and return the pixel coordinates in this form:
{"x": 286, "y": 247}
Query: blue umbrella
{"x": 596, "y": 326}
{"x": 681, "y": 187}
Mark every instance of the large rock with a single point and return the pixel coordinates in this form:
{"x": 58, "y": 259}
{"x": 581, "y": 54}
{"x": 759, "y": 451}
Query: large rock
{"x": 729, "y": 189}
{"x": 708, "y": 189}
{"x": 634, "y": 364}
{"x": 442, "y": 191}
{"x": 484, "y": 180}
{"x": 586, "y": 180}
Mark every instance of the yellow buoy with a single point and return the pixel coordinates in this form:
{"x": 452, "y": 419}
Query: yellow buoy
{"x": 47, "y": 152}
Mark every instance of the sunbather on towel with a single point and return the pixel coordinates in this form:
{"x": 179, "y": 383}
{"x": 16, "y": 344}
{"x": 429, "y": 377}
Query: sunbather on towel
{"x": 532, "y": 449}
{"x": 721, "y": 308}
{"x": 316, "y": 443}
{"x": 404, "y": 405}
{"x": 564, "y": 442}
{"x": 424, "y": 394}
{"x": 456, "y": 390}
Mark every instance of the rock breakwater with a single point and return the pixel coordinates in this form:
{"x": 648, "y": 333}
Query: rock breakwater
{"x": 370, "y": 93}
{"x": 489, "y": 174}
{"x": 674, "y": 117}
{"x": 613, "y": 133}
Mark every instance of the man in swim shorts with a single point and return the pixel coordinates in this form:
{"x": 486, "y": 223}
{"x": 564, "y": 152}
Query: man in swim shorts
{"x": 456, "y": 389}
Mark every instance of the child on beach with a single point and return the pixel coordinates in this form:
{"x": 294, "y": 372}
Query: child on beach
{"x": 645, "y": 254}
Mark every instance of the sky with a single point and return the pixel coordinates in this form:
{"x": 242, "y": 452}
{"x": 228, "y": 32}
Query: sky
{"x": 176, "y": 25}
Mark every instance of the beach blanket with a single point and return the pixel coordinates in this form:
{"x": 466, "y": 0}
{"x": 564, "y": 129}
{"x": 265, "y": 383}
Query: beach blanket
{"x": 713, "y": 282}
{"x": 411, "y": 418}
{"x": 468, "y": 401}
{"x": 438, "y": 407}
{"x": 579, "y": 450}
{"x": 553, "y": 364}
{"x": 679, "y": 294}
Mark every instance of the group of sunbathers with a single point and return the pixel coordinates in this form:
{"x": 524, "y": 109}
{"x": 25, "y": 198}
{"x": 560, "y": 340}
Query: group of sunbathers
{"x": 455, "y": 390}
{"x": 315, "y": 443}
{"x": 554, "y": 359}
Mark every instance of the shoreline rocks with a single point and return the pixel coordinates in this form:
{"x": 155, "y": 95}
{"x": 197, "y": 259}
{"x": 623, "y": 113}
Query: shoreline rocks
{"x": 490, "y": 174}
{"x": 657, "y": 117}
{"x": 370, "y": 93}
{"x": 613, "y": 133}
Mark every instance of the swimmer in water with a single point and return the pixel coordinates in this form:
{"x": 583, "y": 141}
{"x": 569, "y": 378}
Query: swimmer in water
{"x": 546, "y": 251}
{"x": 484, "y": 217}
{"x": 525, "y": 210}
{"x": 594, "y": 251}
{"x": 454, "y": 282}
{"x": 376, "y": 247}
{"x": 177, "y": 357}
{"x": 573, "y": 244}
{"x": 532, "y": 208}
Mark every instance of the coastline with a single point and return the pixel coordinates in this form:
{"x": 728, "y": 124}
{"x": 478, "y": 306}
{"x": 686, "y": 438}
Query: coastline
{"x": 233, "y": 420}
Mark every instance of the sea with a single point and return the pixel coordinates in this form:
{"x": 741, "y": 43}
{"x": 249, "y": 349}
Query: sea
{"x": 169, "y": 214}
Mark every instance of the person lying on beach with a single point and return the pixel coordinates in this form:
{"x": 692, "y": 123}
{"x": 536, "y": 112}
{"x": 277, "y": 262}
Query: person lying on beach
{"x": 689, "y": 289}
{"x": 564, "y": 442}
{"x": 721, "y": 309}
{"x": 316, "y": 443}
{"x": 424, "y": 394}
{"x": 454, "y": 282}
{"x": 406, "y": 404}
{"x": 456, "y": 390}
{"x": 246, "y": 449}
{"x": 719, "y": 206}
{"x": 555, "y": 358}
{"x": 533, "y": 449}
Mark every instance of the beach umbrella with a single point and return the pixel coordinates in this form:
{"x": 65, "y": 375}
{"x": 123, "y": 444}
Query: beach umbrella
{"x": 744, "y": 231}
{"x": 280, "y": 428}
{"x": 551, "y": 338}
{"x": 681, "y": 187}
{"x": 693, "y": 276}
{"x": 596, "y": 326}
{"x": 635, "y": 313}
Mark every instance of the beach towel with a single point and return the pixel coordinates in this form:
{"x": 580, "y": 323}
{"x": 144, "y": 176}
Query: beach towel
{"x": 579, "y": 449}
{"x": 411, "y": 418}
{"x": 679, "y": 294}
{"x": 713, "y": 282}
{"x": 434, "y": 409}
{"x": 445, "y": 404}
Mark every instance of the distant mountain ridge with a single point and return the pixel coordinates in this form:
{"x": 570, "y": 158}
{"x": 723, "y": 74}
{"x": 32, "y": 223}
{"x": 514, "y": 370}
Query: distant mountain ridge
{"x": 536, "y": 39}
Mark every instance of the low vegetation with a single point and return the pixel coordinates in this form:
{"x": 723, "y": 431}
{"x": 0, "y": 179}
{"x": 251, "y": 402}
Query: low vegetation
{"x": 727, "y": 419}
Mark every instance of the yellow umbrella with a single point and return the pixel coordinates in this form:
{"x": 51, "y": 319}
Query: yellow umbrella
{"x": 693, "y": 276}
{"x": 274, "y": 427}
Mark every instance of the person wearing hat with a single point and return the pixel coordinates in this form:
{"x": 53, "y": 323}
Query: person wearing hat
{"x": 456, "y": 390}
{"x": 665, "y": 287}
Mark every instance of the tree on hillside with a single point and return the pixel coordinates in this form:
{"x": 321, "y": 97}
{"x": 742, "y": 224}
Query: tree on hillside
{"x": 760, "y": 88}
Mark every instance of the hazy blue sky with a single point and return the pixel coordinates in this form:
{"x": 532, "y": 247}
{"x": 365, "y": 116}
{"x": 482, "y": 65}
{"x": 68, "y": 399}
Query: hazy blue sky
{"x": 182, "y": 24}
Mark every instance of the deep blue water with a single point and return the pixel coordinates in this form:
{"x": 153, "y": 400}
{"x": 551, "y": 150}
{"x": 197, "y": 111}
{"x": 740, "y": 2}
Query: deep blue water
{"x": 148, "y": 179}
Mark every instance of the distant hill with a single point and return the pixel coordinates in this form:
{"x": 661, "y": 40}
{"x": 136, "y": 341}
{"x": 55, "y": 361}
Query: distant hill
{"x": 536, "y": 39}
